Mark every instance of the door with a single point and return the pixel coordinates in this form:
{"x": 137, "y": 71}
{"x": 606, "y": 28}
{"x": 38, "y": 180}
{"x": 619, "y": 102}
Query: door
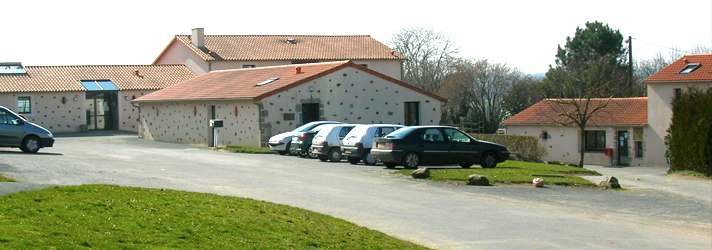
{"x": 623, "y": 154}
{"x": 434, "y": 147}
{"x": 211, "y": 130}
{"x": 102, "y": 110}
{"x": 412, "y": 113}
{"x": 11, "y": 130}
{"x": 462, "y": 148}
{"x": 310, "y": 112}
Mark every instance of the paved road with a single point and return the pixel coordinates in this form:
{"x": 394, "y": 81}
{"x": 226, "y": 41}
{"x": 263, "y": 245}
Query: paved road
{"x": 435, "y": 215}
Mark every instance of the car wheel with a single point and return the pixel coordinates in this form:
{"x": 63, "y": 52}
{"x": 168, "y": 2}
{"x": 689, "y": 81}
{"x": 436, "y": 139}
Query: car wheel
{"x": 368, "y": 159}
{"x": 291, "y": 150}
{"x": 322, "y": 157}
{"x": 465, "y": 165}
{"x": 489, "y": 160}
{"x": 30, "y": 144}
{"x": 353, "y": 160}
{"x": 390, "y": 165}
{"x": 335, "y": 155}
{"x": 311, "y": 154}
{"x": 411, "y": 160}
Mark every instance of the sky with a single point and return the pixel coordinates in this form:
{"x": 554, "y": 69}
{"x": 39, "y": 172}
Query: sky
{"x": 523, "y": 34}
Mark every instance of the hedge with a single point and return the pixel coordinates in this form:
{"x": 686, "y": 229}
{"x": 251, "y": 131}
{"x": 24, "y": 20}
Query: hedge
{"x": 526, "y": 147}
{"x": 689, "y": 142}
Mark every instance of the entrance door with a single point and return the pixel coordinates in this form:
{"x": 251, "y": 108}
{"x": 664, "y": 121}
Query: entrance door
{"x": 310, "y": 112}
{"x": 412, "y": 113}
{"x": 623, "y": 154}
{"x": 101, "y": 110}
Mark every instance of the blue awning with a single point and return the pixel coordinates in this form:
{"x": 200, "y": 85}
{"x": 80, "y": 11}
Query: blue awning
{"x": 99, "y": 85}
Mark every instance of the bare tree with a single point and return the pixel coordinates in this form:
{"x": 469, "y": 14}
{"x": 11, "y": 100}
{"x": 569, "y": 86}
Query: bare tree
{"x": 429, "y": 56}
{"x": 480, "y": 87}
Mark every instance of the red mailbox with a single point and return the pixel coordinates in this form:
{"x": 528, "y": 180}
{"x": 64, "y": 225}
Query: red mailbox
{"x": 608, "y": 152}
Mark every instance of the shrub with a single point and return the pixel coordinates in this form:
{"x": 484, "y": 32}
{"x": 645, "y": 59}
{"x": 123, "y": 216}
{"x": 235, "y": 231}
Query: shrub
{"x": 527, "y": 147}
{"x": 689, "y": 142}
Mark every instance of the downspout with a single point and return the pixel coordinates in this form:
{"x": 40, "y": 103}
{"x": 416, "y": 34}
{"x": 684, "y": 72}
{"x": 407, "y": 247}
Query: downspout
{"x": 140, "y": 126}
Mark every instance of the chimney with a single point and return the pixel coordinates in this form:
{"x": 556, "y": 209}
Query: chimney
{"x": 299, "y": 70}
{"x": 198, "y": 38}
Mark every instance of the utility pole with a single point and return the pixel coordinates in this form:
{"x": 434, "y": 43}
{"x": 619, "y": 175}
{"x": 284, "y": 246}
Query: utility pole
{"x": 630, "y": 65}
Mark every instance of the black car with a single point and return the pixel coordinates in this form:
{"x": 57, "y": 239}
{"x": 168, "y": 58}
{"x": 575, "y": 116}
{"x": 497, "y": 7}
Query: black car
{"x": 301, "y": 142}
{"x": 436, "y": 145}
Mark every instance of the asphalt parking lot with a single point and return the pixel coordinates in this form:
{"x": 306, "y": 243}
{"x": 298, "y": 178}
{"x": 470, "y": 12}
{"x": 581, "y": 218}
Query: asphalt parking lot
{"x": 436, "y": 215}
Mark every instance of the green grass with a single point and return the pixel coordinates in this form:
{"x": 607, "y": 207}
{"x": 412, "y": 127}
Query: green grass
{"x": 104, "y": 216}
{"x": 515, "y": 172}
{"x": 690, "y": 174}
{"x": 5, "y": 179}
{"x": 249, "y": 150}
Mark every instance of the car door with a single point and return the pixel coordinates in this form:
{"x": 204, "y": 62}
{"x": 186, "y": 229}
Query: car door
{"x": 11, "y": 129}
{"x": 462, "y": 148}
{"x": 434, "y": 146}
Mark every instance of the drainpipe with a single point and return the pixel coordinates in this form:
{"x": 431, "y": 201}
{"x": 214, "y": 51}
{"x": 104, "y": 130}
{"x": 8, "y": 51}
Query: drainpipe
{"x": 140, "y": 127}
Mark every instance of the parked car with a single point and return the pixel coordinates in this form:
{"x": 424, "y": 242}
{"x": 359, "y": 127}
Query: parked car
{"x": 326, "y": 144}
{"x": 358, "y": 142}
{"x": 302, "y": 141}
{"x": 17, "y": 132}
{"x": 281, "y": 142}
{"x": 436, "y": 145}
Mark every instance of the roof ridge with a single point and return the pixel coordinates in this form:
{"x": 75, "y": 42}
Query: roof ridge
{"x": 104, "y": 65}
{"x": 284, "y": 66}
{"x": 292, "y": 35}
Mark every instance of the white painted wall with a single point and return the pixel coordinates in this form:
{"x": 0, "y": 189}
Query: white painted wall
{"x": 128, "y": 114}
{"x": 564, "y": 143}
{"x": 660, "y": 116}
{"x": 177, "y": 53}
{"x": 348, "y": 95}
{"x": 48, "y": 110}
{"x": 188, "y": 122}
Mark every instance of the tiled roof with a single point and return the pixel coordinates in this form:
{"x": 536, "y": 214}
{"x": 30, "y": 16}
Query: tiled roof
{"x": 618, "y": 112}
{"x": 276, "y": 47}
{"x": 241, "y": 83}
{"x": 66, "y": 78}
{"x": 671, "y": 73}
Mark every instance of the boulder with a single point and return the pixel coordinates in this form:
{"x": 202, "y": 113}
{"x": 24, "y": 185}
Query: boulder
{"x": 477, "y": 180}
{"x": 610, "y": 182}
{"x": 421, "y": 173}
{"x": 539, "y": 182}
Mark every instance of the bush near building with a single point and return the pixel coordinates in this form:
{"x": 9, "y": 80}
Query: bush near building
{"x": 526, "y": 147}
{"x": 689, "y": 140}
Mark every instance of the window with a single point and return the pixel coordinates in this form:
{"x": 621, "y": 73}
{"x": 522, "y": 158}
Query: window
{"x": 98, "y": 85}
{"x": 248, "y": 66}
{"x": 8, "y": 118}
{"x": 382, "y": 132}
{"x": 639, "y": 149}
{"x": 432, "y": 134}
{"x": 12, "y": 68}
{"x": 24, "y": 105}
{"x": 267, "y": 81}
{"x": 456, "y": 136}
{"x": 544, "y": 135}
{"x": 595, "y": 140}
{"x": 364, "y": 65}
{"x": 678, "y": 92}
{"x": 689, "y": 68}
{"x": 412, "y": 113}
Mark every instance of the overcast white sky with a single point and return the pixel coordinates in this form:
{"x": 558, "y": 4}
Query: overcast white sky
{"x": 523, "y": 34}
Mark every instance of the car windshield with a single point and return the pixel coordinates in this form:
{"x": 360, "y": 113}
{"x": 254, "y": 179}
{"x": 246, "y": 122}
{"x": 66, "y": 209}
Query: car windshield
{"x": 398, "y": 134}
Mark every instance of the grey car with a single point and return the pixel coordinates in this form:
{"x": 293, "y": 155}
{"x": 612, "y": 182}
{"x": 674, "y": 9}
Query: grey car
{"x": 17, "y": 132}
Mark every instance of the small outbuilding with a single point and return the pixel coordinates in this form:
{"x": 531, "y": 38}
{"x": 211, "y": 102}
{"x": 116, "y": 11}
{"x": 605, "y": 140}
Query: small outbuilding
{"x": 255, "y": 103}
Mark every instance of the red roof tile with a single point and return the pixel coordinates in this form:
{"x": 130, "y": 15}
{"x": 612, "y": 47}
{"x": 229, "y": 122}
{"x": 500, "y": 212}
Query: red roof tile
{"x": 671, "y": 73}
{"x": 275, "y": 47}
{"x": 66, "y": 78}
{"x": 618, "y": 112}
{"x": 241, "y": 83}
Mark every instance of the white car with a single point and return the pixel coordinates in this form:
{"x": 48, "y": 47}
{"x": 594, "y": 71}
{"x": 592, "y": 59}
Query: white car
{"x": 358, "y": 143}
{"x": 281, "y": 142}
{"x": 326, "y": 144}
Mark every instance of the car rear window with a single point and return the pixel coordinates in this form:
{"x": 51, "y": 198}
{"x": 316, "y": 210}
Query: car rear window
{"x": 399, "y": 134}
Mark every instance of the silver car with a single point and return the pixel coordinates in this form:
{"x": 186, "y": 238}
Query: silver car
{"x": 17, "y": 132}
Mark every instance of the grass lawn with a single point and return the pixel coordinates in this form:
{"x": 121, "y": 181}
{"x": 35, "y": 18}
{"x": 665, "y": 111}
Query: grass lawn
{"x": 513, "y": 172}
{"x": 5, "y": 179}
{"x": 105, "y": 216}
{"x": 249, "y": 150}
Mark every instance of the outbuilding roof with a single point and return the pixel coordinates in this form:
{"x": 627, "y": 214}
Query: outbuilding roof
{"x": 618, "y": 112}
{"x": 689, "y": 68}
{"x": 67, "y": 78}
{"x": 287, "y": 47}
{"x": 238, "y": 84}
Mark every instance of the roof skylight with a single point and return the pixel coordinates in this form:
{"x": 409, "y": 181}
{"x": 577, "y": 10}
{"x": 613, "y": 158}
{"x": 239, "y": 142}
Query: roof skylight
{"x": 99, "y": 85}
{"x": 689, "y": 68}
{"x": 12, "y": 68}
{"x": 268, "y": 81}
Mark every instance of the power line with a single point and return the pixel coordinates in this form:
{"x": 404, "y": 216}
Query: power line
{"x": 675, "y": 49}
